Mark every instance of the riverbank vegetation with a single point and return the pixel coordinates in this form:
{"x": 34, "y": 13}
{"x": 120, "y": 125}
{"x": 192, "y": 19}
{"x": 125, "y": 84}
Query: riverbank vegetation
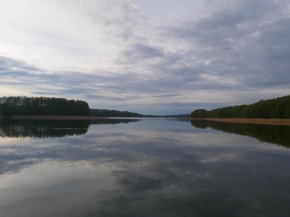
{"x": 274, "y": 108}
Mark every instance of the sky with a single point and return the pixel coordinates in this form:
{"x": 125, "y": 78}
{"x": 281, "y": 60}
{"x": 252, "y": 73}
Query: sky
{"x": 146, "y": 56}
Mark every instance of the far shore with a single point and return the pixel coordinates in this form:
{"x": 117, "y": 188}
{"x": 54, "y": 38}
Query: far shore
{"x": 52, "y": 117}
{"x": 285, "y": 122}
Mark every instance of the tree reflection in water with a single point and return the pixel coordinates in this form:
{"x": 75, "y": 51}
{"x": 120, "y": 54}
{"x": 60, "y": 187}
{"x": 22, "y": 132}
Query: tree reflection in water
{"x": 50, "y": 128}
{"x": 279, "y": 135}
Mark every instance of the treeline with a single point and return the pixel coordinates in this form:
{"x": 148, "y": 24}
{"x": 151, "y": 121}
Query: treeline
{"x": 116, "y": 113}
{"x": 113, "y": 113}
{"x": 42, "y": 106}
{"x": 177, "y": 116}
{"x": 273, "y": 108}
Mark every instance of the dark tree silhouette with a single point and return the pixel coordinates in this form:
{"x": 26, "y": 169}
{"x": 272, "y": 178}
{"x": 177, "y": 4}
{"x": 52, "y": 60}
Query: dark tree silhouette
{"x": 273, "y": 108}
{"x": 42, "y": 106}
{"x": 113, "y": 113}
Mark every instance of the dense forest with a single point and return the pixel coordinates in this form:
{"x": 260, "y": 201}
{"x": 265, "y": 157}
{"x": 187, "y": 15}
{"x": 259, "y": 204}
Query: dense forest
{"x": 55, "y": 106}
{"x": 42, "y": 106}
{"x": 113, "y": 113}
{"x": 279, "y": 135}
{"x": 272, "y": 108}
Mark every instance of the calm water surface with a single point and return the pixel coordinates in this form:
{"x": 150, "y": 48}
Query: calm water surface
{"x": 143, "y": 168}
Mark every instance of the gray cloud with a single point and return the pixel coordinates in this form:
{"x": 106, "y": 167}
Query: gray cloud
{"x": 141, "y": 51}
{"x": 234, "y": 54}
{"x": 123, "y": 19}
{"x": 248, "y": 43}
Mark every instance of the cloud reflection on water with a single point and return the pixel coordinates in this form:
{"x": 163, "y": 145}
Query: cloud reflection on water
{"x": 147, "y": 168}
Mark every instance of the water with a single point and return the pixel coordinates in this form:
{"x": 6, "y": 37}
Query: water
{"x": 143, "y": 168}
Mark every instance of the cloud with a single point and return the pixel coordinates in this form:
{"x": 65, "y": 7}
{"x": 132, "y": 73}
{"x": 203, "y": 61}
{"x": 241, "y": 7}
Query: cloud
{"x": 247, "y": 43}
{"x": 122, "y": 21}
{"x": 233, "y": 53}
{"x": 141, "y": 51}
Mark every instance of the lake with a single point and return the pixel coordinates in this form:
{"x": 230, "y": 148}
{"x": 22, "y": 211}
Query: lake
{"x": 147, "y": 167}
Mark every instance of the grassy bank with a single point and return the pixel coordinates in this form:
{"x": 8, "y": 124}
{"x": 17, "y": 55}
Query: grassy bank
{"x": 285, "y": 122}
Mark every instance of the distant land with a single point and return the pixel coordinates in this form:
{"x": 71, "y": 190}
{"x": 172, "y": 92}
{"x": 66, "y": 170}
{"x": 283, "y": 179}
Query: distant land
{"x": 22, "y": 107}
{"x": 278, "y": 108}
{"x": 115, "y": 113}
{"x": 60, "y": 108}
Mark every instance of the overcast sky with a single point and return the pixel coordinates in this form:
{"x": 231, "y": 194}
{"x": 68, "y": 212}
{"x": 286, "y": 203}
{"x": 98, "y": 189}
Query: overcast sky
{"x": 147, "y": 56}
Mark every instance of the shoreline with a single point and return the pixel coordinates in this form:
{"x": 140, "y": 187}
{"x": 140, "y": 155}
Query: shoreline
{"x": 277, "y": 122}
{"x": 52, "y": 117}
